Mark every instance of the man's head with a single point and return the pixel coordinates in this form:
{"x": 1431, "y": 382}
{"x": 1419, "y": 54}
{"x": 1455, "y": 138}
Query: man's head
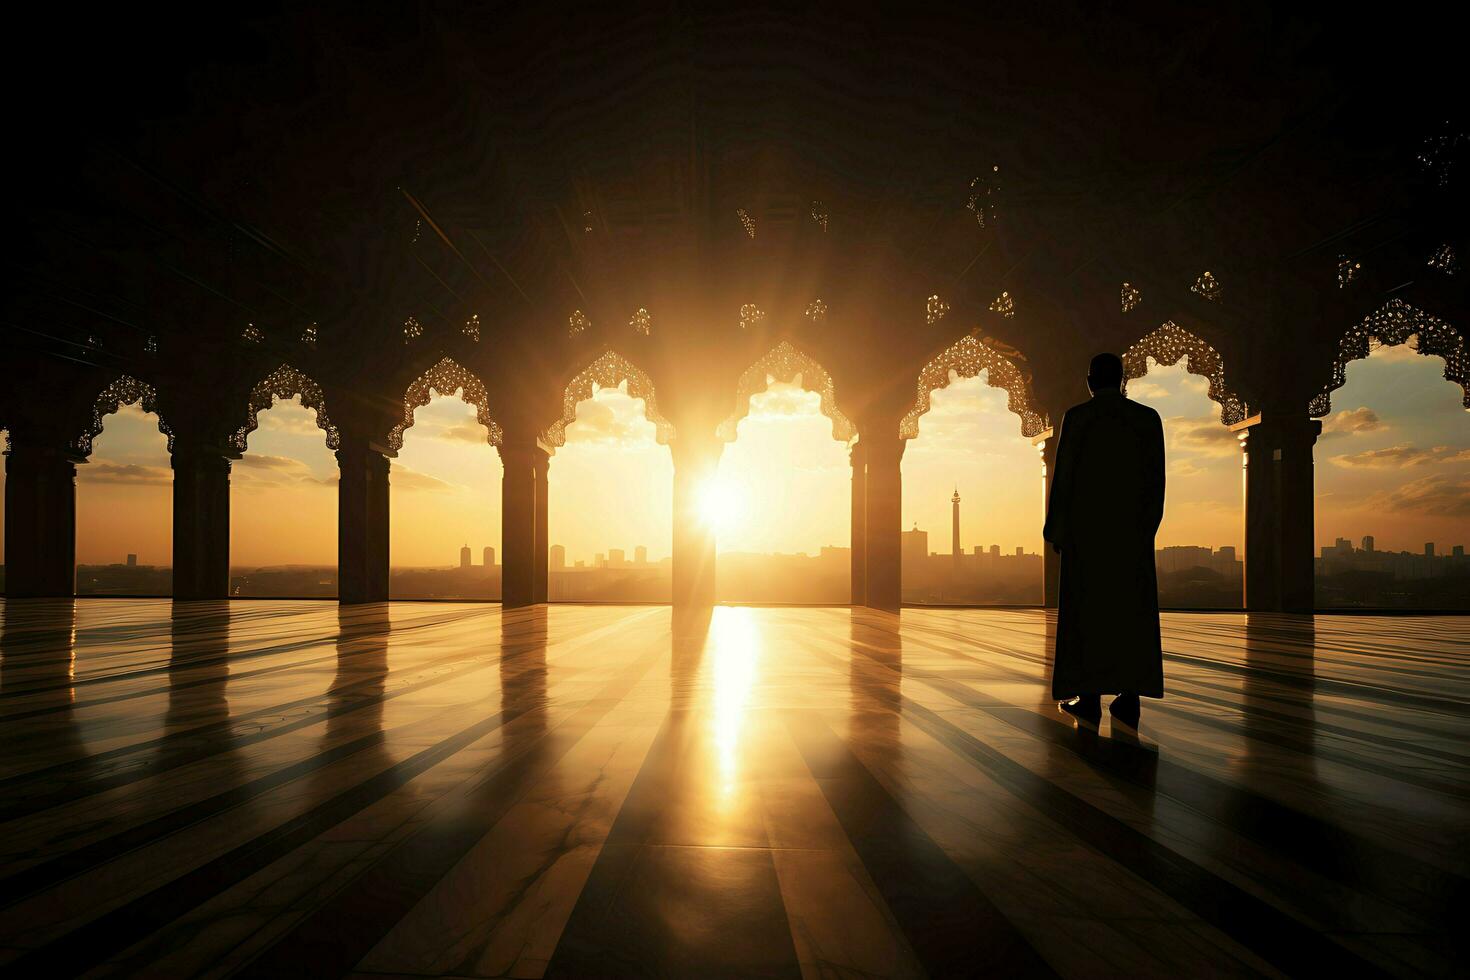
{"x": 1105, "y": 373}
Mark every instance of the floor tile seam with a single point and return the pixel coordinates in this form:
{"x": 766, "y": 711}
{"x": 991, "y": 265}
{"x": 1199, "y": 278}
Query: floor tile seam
{"x": 1204, "y": 781}
{"x": 626, "y": 679}
{"x": 277, "y": 779}
{"x": 303, "y": 723}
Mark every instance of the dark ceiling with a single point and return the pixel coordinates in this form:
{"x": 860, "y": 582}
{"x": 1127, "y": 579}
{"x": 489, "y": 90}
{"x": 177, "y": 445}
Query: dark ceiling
{"x": 179, "y": 176}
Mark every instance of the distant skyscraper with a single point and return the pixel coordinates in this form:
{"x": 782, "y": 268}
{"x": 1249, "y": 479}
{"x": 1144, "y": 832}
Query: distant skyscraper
{"x": 599, "y": 560}
{"x": 489, "y": 557}
{"x": 558, "y": 557}
{"x": 615, "y": 558}
{"x": 995, "y": 551}
{"x": 1429, "y": 549}
{"x": 640, "y": 555}
{"x": 132, "y": 561}
{"x": 954, "y": 545}
{"x": 1368, "y": 543}
{"x": 1458, "y": 551}
{"x": 464, "y": 557}
{"x": 914, "y": 548}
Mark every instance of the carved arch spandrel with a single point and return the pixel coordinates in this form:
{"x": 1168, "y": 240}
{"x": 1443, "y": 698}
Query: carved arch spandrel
{"x": 286, "y": 382}
{"x": 608, "y": 370}
{"x": 1167, "y": 344}
{"x": 785, "y": 363}
{"x": 1397, "y": 322}
{"x": 967, "y": 357}
{"x": 125, "y": 390}
{"x": 446, "y": 377}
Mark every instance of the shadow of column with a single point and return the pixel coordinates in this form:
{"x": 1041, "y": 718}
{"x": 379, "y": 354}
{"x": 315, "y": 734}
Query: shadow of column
{"x": 38, "y": 658}
{"x": 875, "y": 682}
{"x": 1278, "y": 695}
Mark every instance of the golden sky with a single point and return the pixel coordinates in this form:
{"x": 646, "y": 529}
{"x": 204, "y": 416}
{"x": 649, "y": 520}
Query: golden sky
{"x": 1393, "y": 461}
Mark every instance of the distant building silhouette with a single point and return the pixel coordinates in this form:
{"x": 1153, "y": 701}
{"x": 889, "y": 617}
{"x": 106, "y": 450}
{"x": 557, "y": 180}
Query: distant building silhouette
{"x": 132, "y": 560}
{"x": 558, "y": 557}
{"x": 640, "y": 555}
{"x": 615, "y": 558}
{"x": 489, "y": 557}
{"x": 954, "y": 546}
{"x": 915, "y": 546}
{"x": 464, "y": 557}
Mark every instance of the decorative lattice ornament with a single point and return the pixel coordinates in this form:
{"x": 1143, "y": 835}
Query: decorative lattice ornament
{"x": 1444, "y": 260}
{"x": 935, "y": 309}
{"x": 1207, "y": 287}
{"x": 787, "y": 364}
{"x": 471, "y": 328}
{"x": 125, "y": 390}
{"x": 819, "y": 214}
{"x": 251, "y": 334}
{"x": 746, "y": 221}
{"x": 967, "y": 358}
{"x": 309, "y": 335}
{"x": 641, "y": 322}
{"x": 282, "y": 383}
{"x": 1003, "y": 305}
{"x": 1129, "y": 298}
{"x": 751, "y": 316}
{"x": 1397, "y": 322}
{"x": 610, "y": 370}
{"x": 1347, "y": 270}
{"x": 412, "y": 330}
{"x": 1166, "y": 345}
{"x": 816, "y": 311}
{"x": 446, "y": 377}
{"x": 577, "y": 323}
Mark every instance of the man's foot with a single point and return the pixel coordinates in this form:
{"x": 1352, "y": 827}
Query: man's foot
{"x": 1126, "y": 709}
{"x": 1087, "y": 709}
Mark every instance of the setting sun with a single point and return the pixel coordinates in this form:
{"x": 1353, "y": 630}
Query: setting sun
{"x": 721, "y": 504}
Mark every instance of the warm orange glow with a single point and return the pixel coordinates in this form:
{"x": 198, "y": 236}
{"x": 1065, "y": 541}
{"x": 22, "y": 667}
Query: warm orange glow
{"x": 721, "y": 503}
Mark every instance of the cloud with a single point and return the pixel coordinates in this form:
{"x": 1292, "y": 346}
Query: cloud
{"x": 610, "y": 421}
{"x": 1138, "y": 388}
{"x": 1204, "y": 435}
{"x": 783, "y": 400}
{"x": 1403, "y": 455}
{"x": 130, "y": 473}
{"x": 465, "y": 432}
{"x": 403, "y": 478}
{"x": 259, "y": 470}
{"x": 298, "y": 422}
{"x": 1436, "y": 495}
{"x": 1351, "y": 421}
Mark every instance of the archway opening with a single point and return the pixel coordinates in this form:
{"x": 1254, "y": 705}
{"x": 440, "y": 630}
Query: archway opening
{"x": 1200, "y": 542}
{"x": 445, "y": 504}
{"x": 1393, "y": 486}
{"x": 970, "y": 445}
{"x": 781, "y": 501}
{"x": 283, "y": 505}
{"x": 125, "y": 508}
{"x": 611, "y": 513}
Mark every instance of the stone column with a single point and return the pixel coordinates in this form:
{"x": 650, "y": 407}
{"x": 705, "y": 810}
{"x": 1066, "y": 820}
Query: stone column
{"x": 522, "y": 511}
{"x": 884, "y": 521}
{"x": 541, "y": 547}
{"x": 1276, "y": 453}
{"x": 859, "y": 456}
{"x": 201, "y": 522}
{"x": 40, "y": 520}
{"x": 696, "y": 460}
{"x": 1051, "y": 562}
{"x": 362, "y": 522}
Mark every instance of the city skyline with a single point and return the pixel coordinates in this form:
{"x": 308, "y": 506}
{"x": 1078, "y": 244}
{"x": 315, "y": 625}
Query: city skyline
{"x": 1393, "y": 461}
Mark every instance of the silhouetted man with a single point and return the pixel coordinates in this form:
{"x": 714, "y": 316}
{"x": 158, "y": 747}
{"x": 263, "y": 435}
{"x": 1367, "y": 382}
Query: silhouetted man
{"x": 1107, "y": 497}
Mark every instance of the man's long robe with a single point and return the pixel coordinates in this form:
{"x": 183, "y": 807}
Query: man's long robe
{"x": 1107, "y": 498}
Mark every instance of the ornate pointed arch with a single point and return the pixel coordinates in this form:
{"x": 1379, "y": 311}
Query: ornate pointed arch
{"x": 967, "y": 357}
{"x": 285, "y": 382}
{"x": 609, "y": 370}
{"x": 1169, "y": 342}
{"x": 446, "y": 377}
{"x": 125, "y": 390}
{"x": 1397, "y": 322}
{"x": 785, "y": 363}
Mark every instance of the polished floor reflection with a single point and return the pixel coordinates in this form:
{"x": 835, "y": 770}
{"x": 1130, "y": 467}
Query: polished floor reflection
{"x": 290, "y": 789}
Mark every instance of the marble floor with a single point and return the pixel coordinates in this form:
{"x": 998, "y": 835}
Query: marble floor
{"x": 293, "y": 789}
